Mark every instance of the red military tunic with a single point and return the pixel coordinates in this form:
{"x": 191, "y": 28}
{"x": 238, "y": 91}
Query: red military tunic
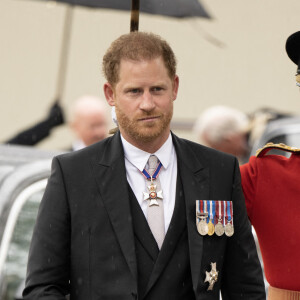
{"x": 271, "y": 186}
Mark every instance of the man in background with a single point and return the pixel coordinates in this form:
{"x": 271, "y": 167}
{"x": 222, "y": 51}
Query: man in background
{"x": 225, "y": 129}
{"x": 88, "y": 121}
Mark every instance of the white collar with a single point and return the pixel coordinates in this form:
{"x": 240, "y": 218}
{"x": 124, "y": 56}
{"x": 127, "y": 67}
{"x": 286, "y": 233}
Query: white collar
{"x": 78, "y": 145}
{"x": 139, "y": 158}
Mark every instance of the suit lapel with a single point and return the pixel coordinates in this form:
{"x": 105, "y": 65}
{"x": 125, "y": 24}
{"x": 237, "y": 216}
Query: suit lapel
{"x": 195, "y": 181}
{"x": 110, "y": 175}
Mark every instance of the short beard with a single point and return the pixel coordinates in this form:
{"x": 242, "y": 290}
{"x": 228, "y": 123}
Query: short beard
{"x": 143, "y": 134}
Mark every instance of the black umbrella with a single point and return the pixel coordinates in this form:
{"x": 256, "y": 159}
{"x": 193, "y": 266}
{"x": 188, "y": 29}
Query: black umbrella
{"x": 170, "y": 8}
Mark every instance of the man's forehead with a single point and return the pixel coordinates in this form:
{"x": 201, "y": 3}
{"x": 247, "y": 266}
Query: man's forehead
{"x": 156, "y": 64}
{"x": 137, "y": 61}
{"x": 138, "y": 65}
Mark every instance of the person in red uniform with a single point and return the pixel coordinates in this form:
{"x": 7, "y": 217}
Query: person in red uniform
{"x": 272, "y": 192}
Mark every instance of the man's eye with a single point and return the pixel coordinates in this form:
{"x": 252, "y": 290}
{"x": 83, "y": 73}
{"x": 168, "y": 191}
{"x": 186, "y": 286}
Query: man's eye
{"x": 156, "y": 89}
{"x": 134, "y": 91}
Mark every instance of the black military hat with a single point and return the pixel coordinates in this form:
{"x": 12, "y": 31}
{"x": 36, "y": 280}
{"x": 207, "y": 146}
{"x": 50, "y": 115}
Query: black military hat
{"x": 292, "y": 47}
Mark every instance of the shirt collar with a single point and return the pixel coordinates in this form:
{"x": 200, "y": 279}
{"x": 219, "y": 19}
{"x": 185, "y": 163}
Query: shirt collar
{"x": 78, "y": 145}
{"x": 139, "y": 158}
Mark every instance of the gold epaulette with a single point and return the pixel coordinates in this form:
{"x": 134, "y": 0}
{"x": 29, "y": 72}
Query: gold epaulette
{"x": 298, "y": 79}
{"x": 262, "y": 151}
{"x": 113, "y": 130}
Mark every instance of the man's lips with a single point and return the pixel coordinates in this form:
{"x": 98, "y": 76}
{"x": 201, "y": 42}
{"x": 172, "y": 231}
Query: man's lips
{"x": 149, "y": 119}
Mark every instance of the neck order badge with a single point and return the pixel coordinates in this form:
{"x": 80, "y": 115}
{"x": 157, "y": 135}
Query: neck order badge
{"x": 155, "y": 210}
{"x": 153, "y": 195}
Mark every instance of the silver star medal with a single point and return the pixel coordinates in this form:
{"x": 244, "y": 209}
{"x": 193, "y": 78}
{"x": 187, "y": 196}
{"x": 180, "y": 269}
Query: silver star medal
{"x": 212, "y": 276}
{"x": 153, "y": 195}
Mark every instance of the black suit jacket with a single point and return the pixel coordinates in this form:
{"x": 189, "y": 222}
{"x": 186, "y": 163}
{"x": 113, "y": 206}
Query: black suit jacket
{"x": 83, "y": 242}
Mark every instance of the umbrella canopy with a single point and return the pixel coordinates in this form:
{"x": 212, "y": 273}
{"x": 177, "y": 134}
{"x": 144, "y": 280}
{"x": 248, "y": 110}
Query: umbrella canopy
{"x": 171, "y": 8}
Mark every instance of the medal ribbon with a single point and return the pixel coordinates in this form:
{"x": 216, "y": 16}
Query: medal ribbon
{"x": 228, "y": 212}
{"x": 154, "y": 175}
{"x": 221, "y": 212}
{"x": 225, "y": 213}
{"x": 206, "y": 209}
{"x": 200, "y": 207}
{"x": 231, "y": 212}
{"x": 217, "y": 211}
{"x": 212, "y": 211}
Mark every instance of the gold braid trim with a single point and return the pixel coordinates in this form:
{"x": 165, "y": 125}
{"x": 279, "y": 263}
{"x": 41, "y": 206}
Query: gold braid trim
{"x": 262, "y": 151}
{"x": 298, "y": 78}
{"x": 113, "y": 130}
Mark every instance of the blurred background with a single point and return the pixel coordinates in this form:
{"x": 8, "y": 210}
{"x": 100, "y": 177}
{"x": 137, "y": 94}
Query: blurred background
{"x": 236, "y": 58}
{"x": 235, "y": 76}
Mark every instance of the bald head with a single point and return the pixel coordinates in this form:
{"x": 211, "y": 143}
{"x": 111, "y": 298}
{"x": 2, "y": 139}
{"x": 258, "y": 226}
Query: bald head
{"x": 89, "y": 119}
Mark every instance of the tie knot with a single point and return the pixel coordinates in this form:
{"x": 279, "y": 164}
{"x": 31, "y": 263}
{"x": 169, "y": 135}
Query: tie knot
{"x": 153, "y": 162}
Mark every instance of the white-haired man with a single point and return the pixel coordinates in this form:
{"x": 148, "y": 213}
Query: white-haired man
{"x": 225, "y": 129}
{"x": 89, "y": 121}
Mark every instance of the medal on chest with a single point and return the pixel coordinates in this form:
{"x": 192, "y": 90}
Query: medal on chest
{"x": 229, "y": 229}
{"x": 201, "y": 217}
{"x": 211, "y": 226}
{"x": 219, "y": 228}
{"x": 153, "y": 194}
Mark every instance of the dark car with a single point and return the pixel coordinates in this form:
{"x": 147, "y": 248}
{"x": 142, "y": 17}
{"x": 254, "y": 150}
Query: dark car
{"x": 23, "y": 177}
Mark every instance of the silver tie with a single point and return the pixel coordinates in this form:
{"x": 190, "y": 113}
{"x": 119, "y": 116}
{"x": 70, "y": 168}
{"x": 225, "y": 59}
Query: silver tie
{"x": 155, "y": 210}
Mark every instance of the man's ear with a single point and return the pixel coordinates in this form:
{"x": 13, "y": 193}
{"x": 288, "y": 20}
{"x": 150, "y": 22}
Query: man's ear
{"x": 175, "y": 87}
{"x": 109, "y": 94}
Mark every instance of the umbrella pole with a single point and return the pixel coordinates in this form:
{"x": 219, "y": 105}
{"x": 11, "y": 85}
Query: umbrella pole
{"x": 134, "y": 20}
{"x": 63, "y": 61}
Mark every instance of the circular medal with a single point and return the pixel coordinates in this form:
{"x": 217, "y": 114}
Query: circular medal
{"x": 152, "y": 195}
{"x": 211, "y": 228}
{"x": 229, "y": 229}
{"x": 202, "y": 227}
{"x": 219, "y": 229}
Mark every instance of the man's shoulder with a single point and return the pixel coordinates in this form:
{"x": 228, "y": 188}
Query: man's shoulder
{"x": 87, "y": 152}
{"x": 272, "y": 162}
{"x": 284, "y": 156}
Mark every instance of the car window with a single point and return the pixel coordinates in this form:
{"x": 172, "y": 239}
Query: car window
{"x": 291, "y": 139}
{"x": 17, "y": 237}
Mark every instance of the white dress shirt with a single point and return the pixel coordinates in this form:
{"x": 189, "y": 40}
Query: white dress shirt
{"x": 136, "y": 160}
{"x": 78, "y": 145}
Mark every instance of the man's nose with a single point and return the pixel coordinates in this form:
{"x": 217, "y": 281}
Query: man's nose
{"x": 147, "y": 101}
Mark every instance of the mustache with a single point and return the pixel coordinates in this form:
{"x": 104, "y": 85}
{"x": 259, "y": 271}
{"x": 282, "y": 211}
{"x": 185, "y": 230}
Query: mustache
{"x": 146, "y": 115}
{"x": 148, "y": 118}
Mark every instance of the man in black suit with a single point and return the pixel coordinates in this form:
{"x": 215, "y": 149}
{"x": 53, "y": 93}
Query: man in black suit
{"x": 105, "y": 232}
